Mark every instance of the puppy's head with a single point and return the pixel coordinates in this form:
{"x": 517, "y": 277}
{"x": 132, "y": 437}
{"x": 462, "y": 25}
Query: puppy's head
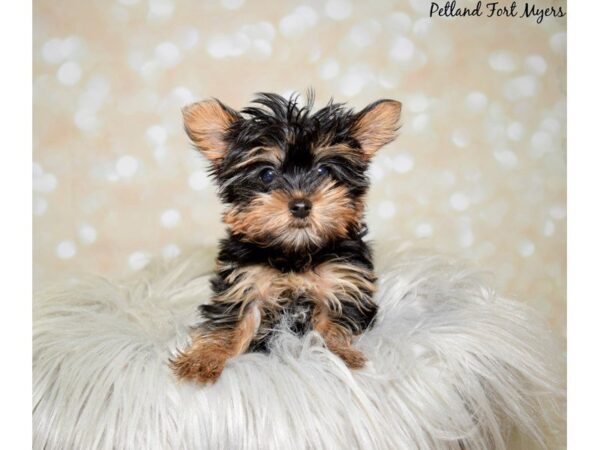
{"x": 288, "y": 176}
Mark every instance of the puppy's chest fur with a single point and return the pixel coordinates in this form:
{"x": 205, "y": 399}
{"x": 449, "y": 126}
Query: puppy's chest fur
{"x": 327, "y": 283}
{"x": 292, "y": 288}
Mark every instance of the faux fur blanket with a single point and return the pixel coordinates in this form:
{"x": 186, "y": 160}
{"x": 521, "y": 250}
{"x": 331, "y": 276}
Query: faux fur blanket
{"x": 452, "y": 366}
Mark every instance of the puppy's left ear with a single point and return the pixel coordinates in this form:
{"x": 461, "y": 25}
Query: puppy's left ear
{"x": 376, "y": 125}
{"x": 206, "y": 123}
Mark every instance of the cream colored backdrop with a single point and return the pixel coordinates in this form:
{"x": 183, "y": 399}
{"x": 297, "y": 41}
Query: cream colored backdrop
{"x": 478, "y": 170}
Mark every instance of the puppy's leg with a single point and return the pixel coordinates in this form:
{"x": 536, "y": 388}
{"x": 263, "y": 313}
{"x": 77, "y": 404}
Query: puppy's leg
{"x": 338, "y": 339}
{"x": 226, "y": 332}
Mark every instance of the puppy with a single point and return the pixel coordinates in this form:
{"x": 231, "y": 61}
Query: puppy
{"x": 294, "y": 183}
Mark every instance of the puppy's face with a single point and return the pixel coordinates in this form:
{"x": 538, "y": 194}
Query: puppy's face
{"x": 289, "y": 177}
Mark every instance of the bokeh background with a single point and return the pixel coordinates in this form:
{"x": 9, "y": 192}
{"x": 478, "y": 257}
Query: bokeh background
{"x": 478, "y": 170}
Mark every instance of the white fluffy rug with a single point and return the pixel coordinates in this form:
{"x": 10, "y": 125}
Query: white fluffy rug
{"x": 453, "y": 366}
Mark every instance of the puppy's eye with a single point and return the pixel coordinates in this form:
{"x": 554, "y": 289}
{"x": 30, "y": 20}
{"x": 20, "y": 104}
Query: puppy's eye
{"x": 323, "y": 170}
{"x": 267, "y": 176}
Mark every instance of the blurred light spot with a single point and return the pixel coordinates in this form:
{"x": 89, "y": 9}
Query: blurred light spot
{"x": 506, "y": 158}
{"x": 422, "y": 26}
{"x": 476, "y": 101}
{"x": 541, "y": 143}
{"x": 261, "y": 30}
{"x": 521, "y": 87}
{"x": 127, "y": 166}
{"x": 183, "y": 97}
{"x": 170, "y": 218}
{"x": 45, "y": 182}
{"x": 526, "y": 248}
{"x": 558, "y": 42}
{"x": 129, "y": 2}
{"x": 558, "y": 212}
{"x": 57, "y": 50}
{"x": 420, "y": 122}
{"x": 232, "y": 4}
{"x": 338, "y": 9}
{"x": 262, "y": 48}
{"x": 160, "y": 152}
{"x": 160, "y": 9}
{"x": 170, "y": 251}
{"x": 139, "y": 260}
{"x": 66, "y": 249}
{"x": 86, "y": 120}
{"x": 198, "y": 181}
{"x": 417, "y": 102}
{"x": 40, "y": 205}
{"x": 223, "y": 46}
{"x": 459, "y": 201}
{"x": 400, "y": 22}
{"x": 69, "y": 73}
{"x": 375, "y": 171}
{"x": 420, "y": 6}
{"x": 402, "y": 49}
{"x": 502, "y": 61}
{"x": 465, "y": 236}
{"x": 353, "y": 82}
{"x": 461, "y": 138}
{"x": 536, "y": 64}
{"x": 551, "y": 125}
{"x": 188, "y": 37}
{"x": 423, "y": 229}
{"x": 52, "y": 51}
{"x": 295, "y": 23}
{"x": 167, "y": 54}
{"x": 156, "y": 134}
{"x": 403, "y": 163}
{"x": 149, "y": 68}
{"x": 87, "y": 234}
{"x": 111, "y": 175}
{"x": 329, "y": 69}
{"x": 386, "y": 209}
{"x": 37, "y": 169}
{"x": 363, "y": 34}
{"x": 388, "y": 80}
{"x": 96, "y": 91}
{"x": 548, "y": 228}
{"x": 515, "y": 131}
{"x": 219, "y": 46}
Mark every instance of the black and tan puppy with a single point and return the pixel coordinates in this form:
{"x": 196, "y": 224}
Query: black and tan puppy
{"x": 294, "y": 184}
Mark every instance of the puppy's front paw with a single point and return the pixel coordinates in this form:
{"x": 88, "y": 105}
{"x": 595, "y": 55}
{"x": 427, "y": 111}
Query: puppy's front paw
{"x": 201, "y": 367}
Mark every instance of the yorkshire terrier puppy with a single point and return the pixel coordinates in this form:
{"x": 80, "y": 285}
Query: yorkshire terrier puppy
{"x": 294, "y": 184}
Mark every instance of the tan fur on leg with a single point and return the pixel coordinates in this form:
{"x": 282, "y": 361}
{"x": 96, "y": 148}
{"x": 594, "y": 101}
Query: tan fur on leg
{"x": 338, "y": 340}
{"x": 204, "y": 360}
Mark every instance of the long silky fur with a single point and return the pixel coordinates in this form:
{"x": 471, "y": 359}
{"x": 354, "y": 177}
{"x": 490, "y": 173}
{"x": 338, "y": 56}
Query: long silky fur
{"x": 452, "y": 366}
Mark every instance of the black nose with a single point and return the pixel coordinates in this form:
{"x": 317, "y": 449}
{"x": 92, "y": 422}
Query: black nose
{"x": 300, "y": 208}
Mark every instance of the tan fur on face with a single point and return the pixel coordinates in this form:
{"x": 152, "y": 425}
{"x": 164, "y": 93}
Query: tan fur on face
{"x": 324, "y": 151}
{"x": 271, "y": 155}
{"x": 206, "y": 123}
{"x": 267, "y": 219}
{"x": 377, "y": 126}
{"x": 324, "y": 284}
{"x": 204, "y": 360}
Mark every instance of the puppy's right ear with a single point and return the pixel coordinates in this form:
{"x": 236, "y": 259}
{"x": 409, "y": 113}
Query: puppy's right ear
{"x": 206, "y": 123}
